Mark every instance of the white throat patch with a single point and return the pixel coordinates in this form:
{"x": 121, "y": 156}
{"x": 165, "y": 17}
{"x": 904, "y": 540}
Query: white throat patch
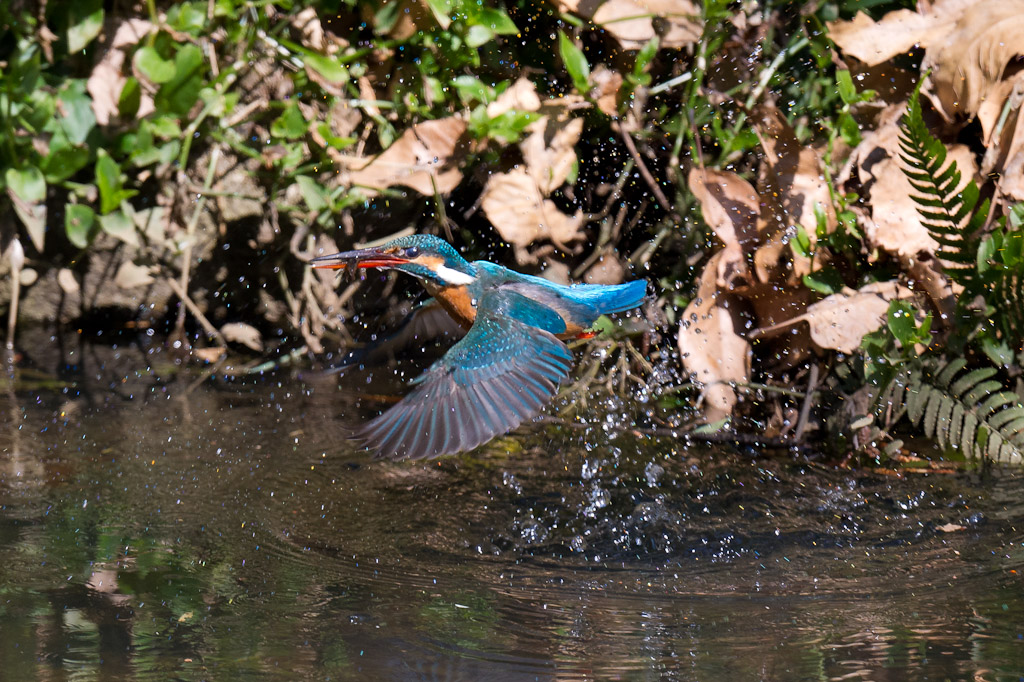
{"x": 453, "y": 277}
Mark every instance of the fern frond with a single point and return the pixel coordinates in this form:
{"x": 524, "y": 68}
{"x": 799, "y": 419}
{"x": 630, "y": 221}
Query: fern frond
{"x": 949, "y": 209}
{"x": 960, "y": 409}
{"x": 1008, "y": 297}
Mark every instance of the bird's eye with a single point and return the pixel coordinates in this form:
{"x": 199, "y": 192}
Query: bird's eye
{"x": 411, "y": 252}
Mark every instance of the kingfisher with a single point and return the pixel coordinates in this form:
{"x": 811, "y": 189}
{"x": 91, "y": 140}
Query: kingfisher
{"x": 508, "y": 365}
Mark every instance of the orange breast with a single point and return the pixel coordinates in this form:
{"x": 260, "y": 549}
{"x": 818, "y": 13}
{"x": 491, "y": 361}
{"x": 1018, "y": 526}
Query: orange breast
{"x": 457, "y": 302}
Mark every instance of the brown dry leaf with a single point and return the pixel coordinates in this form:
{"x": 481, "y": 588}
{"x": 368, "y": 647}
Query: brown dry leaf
{"x": 729, "y": 204}
{"x": 731, "y": 208}
{"x": 798, "y": 170}
{"x": 840, "y": 321}
{"x": 1005, "y": 141}
{"x": 518, "y": 210}
{"x": 309, "y": 26}
{"x": 969, "y": 64}
{"x": 210, "y": 355}
{"x": 130, "y": 275}
{"x": 239, "y": 332}
{"x": 425, "y": 154}
{"x": 67, "y": 281}
{"x": 606, "y": 83}
{"x": 634, "y": 22}
{"x": 107, "y": 79}
{"x": 874, "y": 42}
{"x": 521, "y": 95}
{"x": 550, "y": 148}
{"x": 710, "y": 345}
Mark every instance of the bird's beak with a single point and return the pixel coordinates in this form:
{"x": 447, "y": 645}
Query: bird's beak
{"x": 363, "y": 258}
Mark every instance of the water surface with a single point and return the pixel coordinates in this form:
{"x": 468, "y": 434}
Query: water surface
{"x": 156, "y": 526}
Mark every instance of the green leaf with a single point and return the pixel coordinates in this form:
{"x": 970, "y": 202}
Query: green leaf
{"x": 64, "y": 160}
{"x": 85, "y": 21}
{"x": 187, "y": 17}
{"x": 901, "y": 322}
{"x": 130, "y": 99}
{"x": 181, "y": 92}
{"x": 471, "y": 90}
{"x": 846, "y": 88}
{"x": 290, "y": 124}
{"x": 120, "y": 226}
{"x": 333, "y": 140}
{"x": 108, "y": 180}
{"x": 75, "y": 118}
{"x": 645, "y": 56}
{"x": 478, "y": 35}
{"x": 27, "y": 183}
{"x": 387, "y": 16}
{"x": 826, "y": 281}
{"x": 28, "y": 193}
{"x": 165, "y": 127}
{"x": 509, "y": 126}
{"x": 496, "y": 20}
{"x": 848, "y": 129}
{"x": 575, "y": 63}
{"x": 801, "y": 243}
{"x": 327, "y": 67}
{"x": 312, "y": 193}
{"x": 78, "y": 223}
{"x": 154, "y": 67}
{"x": 442, "y": 10}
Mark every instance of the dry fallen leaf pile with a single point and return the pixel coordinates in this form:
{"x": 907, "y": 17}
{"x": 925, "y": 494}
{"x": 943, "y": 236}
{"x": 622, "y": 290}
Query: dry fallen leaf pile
{"x": 750, "y": 289}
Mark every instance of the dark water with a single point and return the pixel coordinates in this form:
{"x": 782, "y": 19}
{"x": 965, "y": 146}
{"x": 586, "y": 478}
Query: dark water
{"x": 157, "y": 527}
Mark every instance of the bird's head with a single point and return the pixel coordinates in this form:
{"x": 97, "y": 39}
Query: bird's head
{"x": 424, "y": 256}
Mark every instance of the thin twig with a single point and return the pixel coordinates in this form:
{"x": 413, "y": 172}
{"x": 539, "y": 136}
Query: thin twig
{"x": 627, "y": 139}
{"x": 210, "y": 330}
{"x": 805, "y": 410}
{"x": 190, "y": 230}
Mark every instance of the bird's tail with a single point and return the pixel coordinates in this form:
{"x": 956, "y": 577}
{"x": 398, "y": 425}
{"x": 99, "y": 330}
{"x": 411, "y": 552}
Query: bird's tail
{"x": 618, "y": 298}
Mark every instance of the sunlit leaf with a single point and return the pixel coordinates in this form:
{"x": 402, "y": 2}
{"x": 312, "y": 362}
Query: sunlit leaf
{"x": 120, "y": 226}
{"x": 78, "y": 223}
{"x": 85, "y": 21}
{"x": 844, "y": 83}
{"x": 441, "y": 9}
{"x": 312, "y": 193}
{"x": 165, "y": 127}
{"x": 290, "y": 124}
{"x": 108, "y": 180}
{"x": 801, "y": 243}
{"x": 645, "y": 56}
{"x": 27, "y": 183}
{"x": 154, "y": 67}
{"x": 181, "y": 92}
{"x": 496, "y": 20}
{"x": 575, "y": 63}
{"x": 75, "y": 115}
{"x": 479, "y": 35}
{"x": 901, "y": 322}
{"x": 27, "y": 190}
{"x": 327, "y": 67}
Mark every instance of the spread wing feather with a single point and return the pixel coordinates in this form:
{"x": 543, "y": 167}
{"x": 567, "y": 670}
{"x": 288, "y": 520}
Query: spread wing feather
{"x": 500, "y": 374}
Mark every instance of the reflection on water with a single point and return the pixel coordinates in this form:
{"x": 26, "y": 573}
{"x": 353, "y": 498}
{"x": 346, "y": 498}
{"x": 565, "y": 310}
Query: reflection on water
{"x": 156, "y": 528}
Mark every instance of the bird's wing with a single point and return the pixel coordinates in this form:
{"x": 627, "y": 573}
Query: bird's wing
{"x": 427, "y": 322}
{"x": 501, "y": 373}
